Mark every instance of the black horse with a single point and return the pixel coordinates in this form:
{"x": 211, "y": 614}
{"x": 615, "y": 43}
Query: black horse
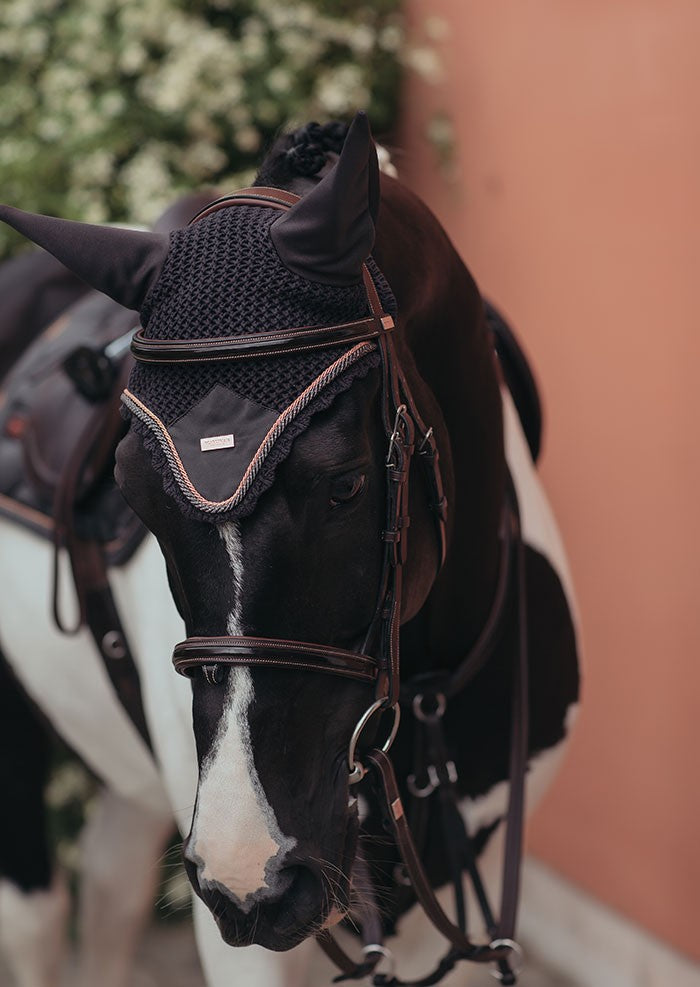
{"x": 276, "y": 449}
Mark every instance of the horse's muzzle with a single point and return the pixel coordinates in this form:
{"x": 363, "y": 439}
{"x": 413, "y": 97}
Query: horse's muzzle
{"x": 280, "y": 921}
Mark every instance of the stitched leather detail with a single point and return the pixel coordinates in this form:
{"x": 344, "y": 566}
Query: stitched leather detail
{"x": 257, "y": 344}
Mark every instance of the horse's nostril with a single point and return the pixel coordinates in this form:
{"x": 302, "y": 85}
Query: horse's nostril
{"x": 302, "y": 884}
{"x": 312, "y": 887}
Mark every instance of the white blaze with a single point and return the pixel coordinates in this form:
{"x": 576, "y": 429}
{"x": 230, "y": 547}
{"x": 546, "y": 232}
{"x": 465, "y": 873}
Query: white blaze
{"x": 236, "y": 841}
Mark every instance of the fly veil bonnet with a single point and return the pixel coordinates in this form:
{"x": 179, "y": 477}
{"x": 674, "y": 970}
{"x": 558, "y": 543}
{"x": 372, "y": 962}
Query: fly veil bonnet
{"x": 217, "y": 426}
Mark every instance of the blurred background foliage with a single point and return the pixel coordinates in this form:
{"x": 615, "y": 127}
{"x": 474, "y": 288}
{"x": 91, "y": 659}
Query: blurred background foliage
{"x": 111, "y": 108}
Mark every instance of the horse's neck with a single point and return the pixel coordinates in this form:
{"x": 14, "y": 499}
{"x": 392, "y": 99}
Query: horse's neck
{"x": 447, "y": 353}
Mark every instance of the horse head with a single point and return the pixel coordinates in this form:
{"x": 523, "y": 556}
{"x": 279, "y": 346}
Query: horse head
{"x": 265, "y": 483}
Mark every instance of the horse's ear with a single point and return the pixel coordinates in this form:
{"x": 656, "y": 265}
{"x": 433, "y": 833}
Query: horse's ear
{"x": 123, "y": 264}
{"x": 329, "y": 233}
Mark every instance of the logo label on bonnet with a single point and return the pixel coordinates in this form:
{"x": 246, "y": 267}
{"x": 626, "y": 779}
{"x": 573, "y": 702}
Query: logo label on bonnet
{"x": 216, "y": 442}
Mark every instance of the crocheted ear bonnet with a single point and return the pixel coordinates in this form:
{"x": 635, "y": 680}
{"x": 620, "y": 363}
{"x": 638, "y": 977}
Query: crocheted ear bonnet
{"x": 216, "y": 431}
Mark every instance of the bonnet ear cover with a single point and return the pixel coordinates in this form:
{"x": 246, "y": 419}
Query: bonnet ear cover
{"x": 329, "y": 233}
{"x": 123, "y": 264}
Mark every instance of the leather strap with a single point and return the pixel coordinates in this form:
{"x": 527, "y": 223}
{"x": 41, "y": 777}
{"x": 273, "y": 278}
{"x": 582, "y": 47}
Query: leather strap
{"x": 454, "y": 682}
{"x": 97, "y": 609}
{"x": 254, "y": 195}
{"x": 511, "y": 577}
{"x": 258, "y": 344}
{"x": 424, "y": 892}
{"x": 198, "y": 652}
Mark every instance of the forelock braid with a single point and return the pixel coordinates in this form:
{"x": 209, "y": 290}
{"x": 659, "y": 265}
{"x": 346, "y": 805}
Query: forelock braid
{"x": 303, "y": 152}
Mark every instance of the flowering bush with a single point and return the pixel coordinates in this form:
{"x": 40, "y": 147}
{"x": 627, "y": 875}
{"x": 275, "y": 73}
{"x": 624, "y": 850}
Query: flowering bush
{"x": 110, "y": 108}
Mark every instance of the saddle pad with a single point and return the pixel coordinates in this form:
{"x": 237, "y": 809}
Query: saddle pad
{"x": 41, "y": 419}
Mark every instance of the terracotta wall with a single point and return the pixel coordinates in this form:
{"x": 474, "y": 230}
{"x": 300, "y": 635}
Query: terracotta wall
{"x": 574, "y": 196}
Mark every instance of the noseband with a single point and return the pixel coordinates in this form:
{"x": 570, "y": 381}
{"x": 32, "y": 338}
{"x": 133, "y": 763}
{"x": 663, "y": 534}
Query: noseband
{"x": 378, "y": 662}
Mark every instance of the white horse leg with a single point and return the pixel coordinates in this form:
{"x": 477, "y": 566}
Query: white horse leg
{"x": 121, "y": 846}
{"x": 33, "y": 932}
{"x": 230, "y": 966}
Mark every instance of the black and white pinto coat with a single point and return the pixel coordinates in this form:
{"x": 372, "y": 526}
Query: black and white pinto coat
{"x": 145, "y": 791}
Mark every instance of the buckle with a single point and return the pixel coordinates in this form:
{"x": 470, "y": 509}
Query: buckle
{"x": 396, "y": 436}
{"x": 429, "y": 715}
{"x": 427, "y": 445}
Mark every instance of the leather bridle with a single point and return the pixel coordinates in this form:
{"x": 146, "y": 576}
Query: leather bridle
{"x": 378, "y": 662}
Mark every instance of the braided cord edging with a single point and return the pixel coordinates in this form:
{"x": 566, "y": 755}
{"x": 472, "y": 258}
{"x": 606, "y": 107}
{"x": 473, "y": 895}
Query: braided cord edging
{"x": 159, "y": 430}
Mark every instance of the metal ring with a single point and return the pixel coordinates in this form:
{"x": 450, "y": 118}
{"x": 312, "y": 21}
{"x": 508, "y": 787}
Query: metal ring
{"x": 357, "y": 770}
{"x": 515, "y": 948}
{"x": 374, "y": 947}
{"x": 436, "y": 714}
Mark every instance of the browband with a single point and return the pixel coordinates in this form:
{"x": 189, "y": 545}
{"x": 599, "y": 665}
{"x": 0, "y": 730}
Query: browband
{"x": 276, "y": 343}
{"x": 259, "y": 343}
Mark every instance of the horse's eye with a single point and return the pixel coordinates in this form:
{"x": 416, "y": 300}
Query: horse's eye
{"x": 346, "y": 488}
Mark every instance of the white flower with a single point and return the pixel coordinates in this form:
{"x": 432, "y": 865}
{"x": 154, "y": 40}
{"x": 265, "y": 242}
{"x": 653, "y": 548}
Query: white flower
{"x": 425, "y": 61}
{"x": 342, "y": 89}
{"x": 133, "y": 58}
{"x": 147, "y": 183}
{"x": 112, "y": 103}
{"x": 95, "y": 169}
{"x": 202, "y": 160}
{"x": 391, "y": 37}
{"x": 248, "y": 139}
{"x": 436, "y": 28}
{"x": 49, "y": 129}
{"x": 279, "y": 80}
{"x": 361, "y": 39}
{"x": 86, "y": 85}
{"x": 35, "y": 41}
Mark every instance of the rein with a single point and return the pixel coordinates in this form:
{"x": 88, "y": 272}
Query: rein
{"x": 378, "y": 662}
